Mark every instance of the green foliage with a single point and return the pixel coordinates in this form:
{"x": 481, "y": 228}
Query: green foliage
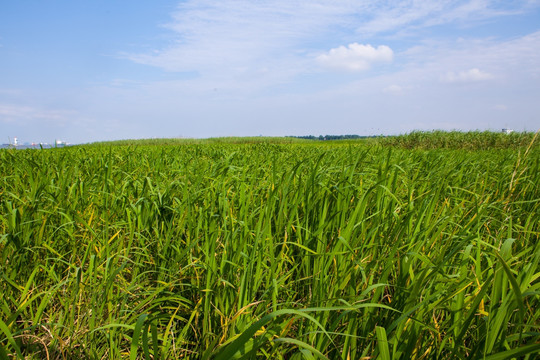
{"x": 475, "y": 140}
{"x": 210, "y": 250}
{"x": 333, "y": 137}
{"x": 189, "y": 141}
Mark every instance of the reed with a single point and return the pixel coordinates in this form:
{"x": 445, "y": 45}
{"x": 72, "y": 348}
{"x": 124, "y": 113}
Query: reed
{"x": 270, "y": 250}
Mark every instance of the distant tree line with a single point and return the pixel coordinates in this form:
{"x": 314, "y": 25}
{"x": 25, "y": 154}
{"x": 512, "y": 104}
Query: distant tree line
{"x": 331, "y": 137}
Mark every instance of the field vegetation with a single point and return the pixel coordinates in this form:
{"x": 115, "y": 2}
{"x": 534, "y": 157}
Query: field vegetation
{"x": 189, "y": 141}
{"x": 423, "y": 246}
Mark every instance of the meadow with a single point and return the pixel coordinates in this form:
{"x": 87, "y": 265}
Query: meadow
{"x": 422, "y": 246}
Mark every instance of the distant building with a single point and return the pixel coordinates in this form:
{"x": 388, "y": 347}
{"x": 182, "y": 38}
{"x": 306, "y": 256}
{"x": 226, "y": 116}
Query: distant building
{"x": 507, "y": 131}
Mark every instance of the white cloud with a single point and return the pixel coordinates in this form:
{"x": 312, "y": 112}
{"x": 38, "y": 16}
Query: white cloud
{"x": 235, "y": 35}
{"x": 471, "y": 75}
{"x": 234, "y": 43}
{"x": 511, "y": 61}
{"x": 238, "y": 37}
{"x": 356, "y": 57}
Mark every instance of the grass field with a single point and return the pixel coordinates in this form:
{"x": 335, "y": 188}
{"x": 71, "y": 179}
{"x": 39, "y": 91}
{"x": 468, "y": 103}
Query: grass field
{"x": 423, "y": 246}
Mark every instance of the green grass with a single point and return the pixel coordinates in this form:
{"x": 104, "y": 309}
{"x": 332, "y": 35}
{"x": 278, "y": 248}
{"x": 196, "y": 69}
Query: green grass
{"x": 474, "y": 140}
{"x": 301, "y": 250}
{"x": 190, "y": 141}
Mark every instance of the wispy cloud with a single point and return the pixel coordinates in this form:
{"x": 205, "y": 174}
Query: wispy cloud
{"x": 233, "y": 38}
{"x": 240, "y": 36}
{"x": 471, "y": 75}
{"x": 397, "y": 15}
{"x": 28, "y": 114}
{"x": 393, "y": 89}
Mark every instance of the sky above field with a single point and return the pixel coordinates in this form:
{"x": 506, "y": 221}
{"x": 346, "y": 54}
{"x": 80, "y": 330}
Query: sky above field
{"x": 83, "y": 71}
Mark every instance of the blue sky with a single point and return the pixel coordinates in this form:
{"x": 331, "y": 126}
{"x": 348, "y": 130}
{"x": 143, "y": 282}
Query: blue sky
{"x": 84, "y": 71}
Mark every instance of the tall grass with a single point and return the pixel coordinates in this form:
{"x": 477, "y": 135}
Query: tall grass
{"x": 192, "y": 141}
{"x": 279, "y": 251}
{"x": 472, "y": 140}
